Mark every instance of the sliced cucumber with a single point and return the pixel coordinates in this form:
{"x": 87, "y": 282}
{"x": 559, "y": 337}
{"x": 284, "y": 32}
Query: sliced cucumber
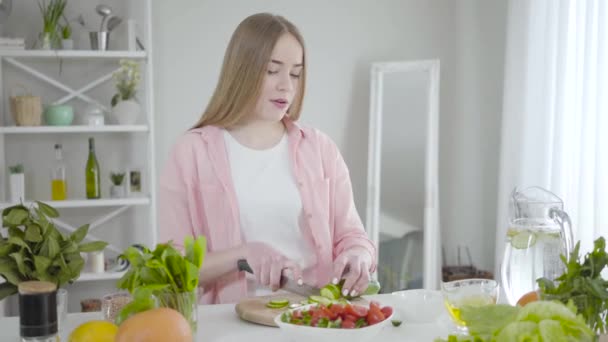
{"x": 277, "y": 303}
{"x": 320, "y": 300}
{"x": 396, "y": 322}
{"x": 331, "y": 291}
{"x": 372, "y": 289}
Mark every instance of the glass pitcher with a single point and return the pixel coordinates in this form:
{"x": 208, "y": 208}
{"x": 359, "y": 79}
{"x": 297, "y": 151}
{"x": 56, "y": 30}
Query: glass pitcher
{"x": 539, "y": 232}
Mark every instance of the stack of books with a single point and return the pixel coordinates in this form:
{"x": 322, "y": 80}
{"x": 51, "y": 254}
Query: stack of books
{"x": 7, "y": 43}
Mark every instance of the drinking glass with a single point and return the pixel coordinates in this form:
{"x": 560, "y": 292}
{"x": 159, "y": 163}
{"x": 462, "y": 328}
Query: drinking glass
{"x": 467, "y": 293}
{"x": 111, "y": 304}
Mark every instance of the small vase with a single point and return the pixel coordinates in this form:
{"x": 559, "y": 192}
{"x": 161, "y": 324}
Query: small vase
{"x": 48, "y": 41}
{"x": 17, "y": 187}
{"x": 126, "y": 112}
{"x": 185, "y": 303}
{"x": 45, "y": 41}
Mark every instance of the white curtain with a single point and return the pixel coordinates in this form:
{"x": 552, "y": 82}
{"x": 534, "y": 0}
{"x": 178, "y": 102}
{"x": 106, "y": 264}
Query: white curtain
{"x": 555, "y": 110}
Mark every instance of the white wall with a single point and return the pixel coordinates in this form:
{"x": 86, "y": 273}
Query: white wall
{"x": 343, "y": 37}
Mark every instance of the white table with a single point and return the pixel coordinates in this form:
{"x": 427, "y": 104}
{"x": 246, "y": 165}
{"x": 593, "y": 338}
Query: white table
{"x": 219, "y": 323}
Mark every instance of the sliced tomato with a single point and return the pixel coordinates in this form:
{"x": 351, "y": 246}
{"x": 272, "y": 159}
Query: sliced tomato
{"x": 355, "y": 310}
{"x": 348, "y": 324}
{"x": 338, "y": 309}
{"x": 349, "y": 317}
{"x": 374, "y": 317}
{"x": 387, "y": 311}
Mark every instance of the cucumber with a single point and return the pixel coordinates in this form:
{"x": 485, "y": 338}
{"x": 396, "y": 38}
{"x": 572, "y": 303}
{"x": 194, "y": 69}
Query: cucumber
{"x": 320, "y": 300}
{"x": 277, "y": 303}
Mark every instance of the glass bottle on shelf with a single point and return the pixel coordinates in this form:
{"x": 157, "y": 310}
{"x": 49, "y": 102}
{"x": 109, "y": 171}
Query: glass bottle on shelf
{"x": 92, "y": 177}
{"x": 59, "y": 186}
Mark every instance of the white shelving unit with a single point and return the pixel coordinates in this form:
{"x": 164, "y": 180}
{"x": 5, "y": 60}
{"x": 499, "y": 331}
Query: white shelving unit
{"x": 74, "y": 54}
{"x": 74, "y": 129}
{"x": 81, "y": 78}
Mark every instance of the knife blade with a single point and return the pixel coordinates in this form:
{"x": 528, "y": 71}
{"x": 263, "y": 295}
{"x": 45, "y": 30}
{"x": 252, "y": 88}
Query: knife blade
{"x": 287, "y": 283}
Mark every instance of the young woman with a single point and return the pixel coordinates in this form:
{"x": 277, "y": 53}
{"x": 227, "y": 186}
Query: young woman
{"x": 257, "y": 185}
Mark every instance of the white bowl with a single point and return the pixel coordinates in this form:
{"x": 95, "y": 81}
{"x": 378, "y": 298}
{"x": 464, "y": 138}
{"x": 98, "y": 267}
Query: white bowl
{"x": 297, "y": 333}
{"x": 419, "y": 305}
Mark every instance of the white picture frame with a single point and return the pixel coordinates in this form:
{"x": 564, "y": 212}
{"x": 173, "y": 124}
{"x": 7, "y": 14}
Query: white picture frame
{"x": 134, "y": 182}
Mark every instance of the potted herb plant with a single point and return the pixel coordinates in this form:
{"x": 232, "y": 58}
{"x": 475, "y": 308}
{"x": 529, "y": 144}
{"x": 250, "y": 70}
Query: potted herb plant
{"x": 51, "y": 13}
{"x": 32, "y": 248}
{"x": 125, "y": 108}
{"x": 163, "y": 277}
{"x": 117, "y": 190}
{"x": 16, "y": 183}
{"x": 67, "y": 43}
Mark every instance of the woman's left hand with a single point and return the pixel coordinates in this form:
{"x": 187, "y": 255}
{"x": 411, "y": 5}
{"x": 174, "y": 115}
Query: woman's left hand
{"x": 357, "y": 261}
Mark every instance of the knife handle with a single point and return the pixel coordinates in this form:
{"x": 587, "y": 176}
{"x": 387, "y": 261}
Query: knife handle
{"x": 243, "y": 265}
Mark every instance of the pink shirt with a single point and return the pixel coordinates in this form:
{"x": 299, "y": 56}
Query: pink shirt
{"x": 197, "y": 197}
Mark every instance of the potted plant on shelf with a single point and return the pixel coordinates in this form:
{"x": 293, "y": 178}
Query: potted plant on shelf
{"x": 67, "y": 43}
{"x": 51, "y": 13}
{"x": 117, "y": 190}
{"x": 125, "y": 108}
{"x": 16, "y": 183}
{"x": 33, "y": 249}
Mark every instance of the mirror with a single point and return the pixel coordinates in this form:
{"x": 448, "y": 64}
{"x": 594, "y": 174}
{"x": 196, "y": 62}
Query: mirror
{"x": 402, "y": 199}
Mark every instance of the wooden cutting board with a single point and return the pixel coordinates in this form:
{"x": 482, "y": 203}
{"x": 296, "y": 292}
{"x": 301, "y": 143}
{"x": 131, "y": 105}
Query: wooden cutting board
{"x": 254, "y": 309}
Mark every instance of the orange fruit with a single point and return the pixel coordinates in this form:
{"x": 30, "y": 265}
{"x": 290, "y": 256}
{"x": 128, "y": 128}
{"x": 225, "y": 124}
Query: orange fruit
{"x": 529, "y": 297}
{"x": 156, "y": 325}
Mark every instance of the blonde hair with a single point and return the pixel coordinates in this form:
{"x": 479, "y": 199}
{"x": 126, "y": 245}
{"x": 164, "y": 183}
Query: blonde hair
{"x": 244, "y": 68}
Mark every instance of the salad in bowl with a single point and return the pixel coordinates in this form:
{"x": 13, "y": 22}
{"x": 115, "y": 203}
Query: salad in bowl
{"x": 335, "y": 322}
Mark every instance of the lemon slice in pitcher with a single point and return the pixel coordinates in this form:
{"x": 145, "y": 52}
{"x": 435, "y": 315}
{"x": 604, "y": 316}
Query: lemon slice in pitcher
{"x": 524, "y": 239}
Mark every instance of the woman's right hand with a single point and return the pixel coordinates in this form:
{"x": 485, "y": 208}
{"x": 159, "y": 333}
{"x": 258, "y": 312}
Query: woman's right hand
{"x": 268, "y": 265}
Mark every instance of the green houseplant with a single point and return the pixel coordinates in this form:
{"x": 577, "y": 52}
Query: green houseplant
{"x": 33, "y": 249}
{"x": 51, "y": 14}
{"x": 125, "y": 107}
{"x": 117, "y": 190}
{"x": 163, "y": 277}
{"x": 66, "y": 36}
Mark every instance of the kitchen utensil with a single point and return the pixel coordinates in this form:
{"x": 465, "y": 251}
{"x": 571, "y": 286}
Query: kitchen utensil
{"x": 287, "y": 284}
{"x": 105, "y": 11}
{"x": 113, "y": 22}
{"x": 254, "y": 309}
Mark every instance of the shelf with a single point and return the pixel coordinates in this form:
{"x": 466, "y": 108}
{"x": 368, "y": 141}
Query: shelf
{"x": 75, "y": 54}
{"x": 85, "y": 203}
{"x": 86, "y": 276}
{"x": 73, "y": 129}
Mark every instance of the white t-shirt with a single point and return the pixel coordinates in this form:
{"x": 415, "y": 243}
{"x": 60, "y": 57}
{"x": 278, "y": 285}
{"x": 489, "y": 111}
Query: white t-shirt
{"x": 269, "y": 202}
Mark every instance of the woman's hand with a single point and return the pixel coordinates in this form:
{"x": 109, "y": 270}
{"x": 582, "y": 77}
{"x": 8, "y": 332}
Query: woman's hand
{"x": 358, "y": 262}
{"x": 268, "y": 265}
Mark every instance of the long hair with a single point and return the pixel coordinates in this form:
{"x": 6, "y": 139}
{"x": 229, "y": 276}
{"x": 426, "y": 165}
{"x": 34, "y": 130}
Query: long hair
{"x": 244, "y": 69}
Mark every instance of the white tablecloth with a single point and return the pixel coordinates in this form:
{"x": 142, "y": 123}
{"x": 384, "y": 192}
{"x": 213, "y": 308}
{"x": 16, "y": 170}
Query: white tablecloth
{"x": 219, "y": 323}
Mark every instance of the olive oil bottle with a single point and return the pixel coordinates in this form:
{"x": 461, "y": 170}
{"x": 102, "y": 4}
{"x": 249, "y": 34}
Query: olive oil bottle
{"x": 92, "y": 175}
{"x": 59, "y": 185}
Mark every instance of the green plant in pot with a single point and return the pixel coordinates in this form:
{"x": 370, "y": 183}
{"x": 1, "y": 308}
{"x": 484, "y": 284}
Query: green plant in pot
{"x": 125, "y": 108}
{"x": 31, "y": 248}
{"x": 51, "y": 14}
{"x": 117, "y": 190}
{"x": 66, "y": 35}
{"x": 163, "y": 277}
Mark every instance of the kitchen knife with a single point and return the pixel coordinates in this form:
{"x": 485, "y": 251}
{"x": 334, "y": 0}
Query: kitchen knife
{"x": 287, "y": 283}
